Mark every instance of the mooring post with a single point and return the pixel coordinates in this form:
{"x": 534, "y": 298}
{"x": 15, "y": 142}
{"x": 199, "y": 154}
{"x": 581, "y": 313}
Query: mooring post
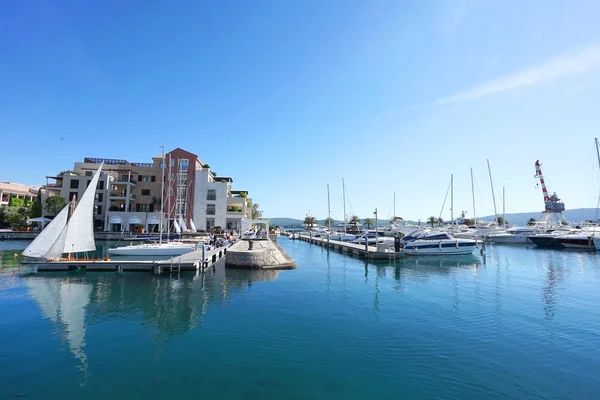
{"x": 250, "y": 244}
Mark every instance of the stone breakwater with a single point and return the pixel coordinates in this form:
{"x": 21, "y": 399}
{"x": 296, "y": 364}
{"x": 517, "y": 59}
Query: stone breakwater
{"x": 264, "y": 254}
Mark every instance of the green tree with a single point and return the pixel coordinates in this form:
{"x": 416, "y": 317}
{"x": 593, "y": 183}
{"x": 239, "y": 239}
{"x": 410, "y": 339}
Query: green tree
{"x": 15, "y": 202}
{"x": 309, "y": 221}
{"x": 440, "y": 221}
{"x": 355, "y": 220}
{"x": 431, "y": 220}
{"x": 256, "y": 213}
{"x": 328, "y": 221}
{"x": 2, "y": 215}
{"x": 368, "y": 222}
{"x": 501, "y": 221}
{"x": 468, "y": 221}
{"x": 36, "y": 207}
{"x": 55, "y": 204}
{"x": 23, "y": 211}
{"x": 14, "y": 219}
{"x": 243, "y": 194}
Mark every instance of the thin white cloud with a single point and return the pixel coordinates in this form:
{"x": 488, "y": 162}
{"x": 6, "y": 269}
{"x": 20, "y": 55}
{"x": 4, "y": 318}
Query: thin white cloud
{"x": 575, "y": 63}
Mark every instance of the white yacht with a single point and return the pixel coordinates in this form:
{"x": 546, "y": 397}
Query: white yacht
{"x": 372, "y": 238}
{"x": 516, "y": 235}
{"x": 154, "y": 249}
{"x": 437, "y": 244}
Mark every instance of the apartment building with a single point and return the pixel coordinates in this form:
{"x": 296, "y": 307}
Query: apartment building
{"x": 128, "y": 194}
{"x": 9, "y": 190}
{"x": 216, "y": 205}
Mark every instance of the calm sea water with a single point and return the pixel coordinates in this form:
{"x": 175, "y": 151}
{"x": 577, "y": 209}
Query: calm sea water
{"x": 521, "y": 324}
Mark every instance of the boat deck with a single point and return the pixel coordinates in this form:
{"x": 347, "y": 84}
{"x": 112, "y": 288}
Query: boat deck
{"x": 192, "y": 261}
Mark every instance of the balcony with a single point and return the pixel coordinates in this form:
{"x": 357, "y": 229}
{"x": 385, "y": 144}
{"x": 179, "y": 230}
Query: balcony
{"x": 235, "y": 210}
{"x": 120, "y": 195}
{"x": 124, "y": 181}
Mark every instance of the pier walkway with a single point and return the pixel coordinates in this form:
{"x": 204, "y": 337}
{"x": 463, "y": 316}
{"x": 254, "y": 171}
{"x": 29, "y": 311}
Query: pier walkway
{"x": 192, "y": 261}
{"x": 359, "y": 250}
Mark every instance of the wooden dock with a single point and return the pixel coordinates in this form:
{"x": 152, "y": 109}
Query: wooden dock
{"x": 192, "y": 261}
{"x": 359, "y": 250}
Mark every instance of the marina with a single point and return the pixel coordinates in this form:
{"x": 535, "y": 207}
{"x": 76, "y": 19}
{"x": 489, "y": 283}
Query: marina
{"x": 518, "y": 323}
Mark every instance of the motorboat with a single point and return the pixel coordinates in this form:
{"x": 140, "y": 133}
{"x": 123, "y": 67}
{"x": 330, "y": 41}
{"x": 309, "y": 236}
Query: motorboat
{"x": 580, "y": 241}
{"x": 439, "y": 243}
{"x": 515, "y": 235}
{"x": 549, "y": 239}
{"x": 372, "y": 238}
{"x": 154, "y": 249}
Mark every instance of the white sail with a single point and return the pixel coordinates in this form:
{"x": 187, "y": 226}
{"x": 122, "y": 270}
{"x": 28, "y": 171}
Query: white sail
{"x": 80, "y": 228}
{"x": 74, "y": 298}
{"x": 176, "y": 226}
{"x": 182, "y": 224}
{"x": 44, "y": 241}
{"x": 193, "y": 226}
{"x": 56, "y": 250}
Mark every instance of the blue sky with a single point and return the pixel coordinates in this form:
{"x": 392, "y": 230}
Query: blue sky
{"x": 288, "y": 96}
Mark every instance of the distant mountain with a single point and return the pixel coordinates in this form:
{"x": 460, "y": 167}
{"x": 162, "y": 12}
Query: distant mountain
{"x": 576, "y": 215}
{"x": 293, "y": 222}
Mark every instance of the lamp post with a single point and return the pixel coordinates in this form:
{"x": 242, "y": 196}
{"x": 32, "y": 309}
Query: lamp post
{"x": 376, "y": 228}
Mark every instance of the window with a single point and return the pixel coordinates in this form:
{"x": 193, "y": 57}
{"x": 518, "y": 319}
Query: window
{"x": 161, "y": 165}
{"x": 210, "y": 209}
{"x": 211, "y": 194}
{"x": 172, "y": 163}
{"x": 74, "y": 184}
{"x": 140, "y": 178}
{"x": 143, "y": 207}
{"x": 100, "y": 185}
{"x": 98, "y": 197}
{"x": 184, "y": 164}
{"x": 88, "y": 183}
{"x": 150, "y": 207}
{"x": 71, "y": 195}
{"x": 153, "y": 178}
{"x": 145, "y": 192}
{"x": 97, "y": 210}
{"x": 89, "y": 173}
{"x": 170, "y": 192}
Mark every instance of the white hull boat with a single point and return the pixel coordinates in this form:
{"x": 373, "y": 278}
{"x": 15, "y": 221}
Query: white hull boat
{"x": 440, "y": 244}
{"x": 513, "y": 236}
{"x": 158, "y": 249}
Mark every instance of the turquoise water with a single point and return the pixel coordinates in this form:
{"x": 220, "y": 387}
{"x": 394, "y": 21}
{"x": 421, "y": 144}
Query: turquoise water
{"x": 520, "y": 324}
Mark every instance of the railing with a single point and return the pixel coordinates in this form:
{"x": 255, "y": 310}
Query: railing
{"x": 120, "y": 181}
{"x": 121, "y": 194}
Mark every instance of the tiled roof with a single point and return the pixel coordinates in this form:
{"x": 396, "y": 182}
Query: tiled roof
{"x": 18, "y": 188}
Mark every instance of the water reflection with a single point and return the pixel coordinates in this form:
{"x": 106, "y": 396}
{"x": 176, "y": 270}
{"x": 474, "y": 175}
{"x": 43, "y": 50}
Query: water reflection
{"x": 169, "y": 305}
{"x": 554, "y": 278}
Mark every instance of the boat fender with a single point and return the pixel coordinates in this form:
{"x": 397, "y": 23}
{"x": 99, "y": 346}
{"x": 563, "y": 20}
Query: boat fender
{"x": 440, "y": 245}
{"x": 457, "y": 244}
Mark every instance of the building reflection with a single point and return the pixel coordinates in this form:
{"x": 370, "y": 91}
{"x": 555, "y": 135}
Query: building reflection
{"x": 172, "y": 305}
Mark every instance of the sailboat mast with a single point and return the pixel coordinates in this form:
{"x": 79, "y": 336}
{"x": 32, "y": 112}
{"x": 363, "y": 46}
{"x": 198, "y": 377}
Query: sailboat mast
{"x": 162, "y": 195}
{"x": 328, "y": 208}
{"x": 394, "y": 217}
{"x": 344, "y": 195}
{"x": 451, "y": 197}
{"x": 493, "y": 195}
{"x": 473, "y": 196}
{"x": 503, "y": 207}
{"x": 169, "y": 201}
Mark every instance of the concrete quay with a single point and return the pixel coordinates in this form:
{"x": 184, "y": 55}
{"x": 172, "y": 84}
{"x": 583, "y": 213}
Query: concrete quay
{"x": 193, "y": 261}
{"x": 258, "y": 254}
{"x": 358, "y": 250}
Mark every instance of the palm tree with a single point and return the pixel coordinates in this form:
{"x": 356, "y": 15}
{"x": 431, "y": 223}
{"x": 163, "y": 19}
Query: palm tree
{"x": 440, "y": 221}
{"x": 328, "y": 221}
{"x": 432, "y": 220}
{"x": 309, "y": 221}
{"x": 368, "y": 222}
{"x": 354, "y": 220}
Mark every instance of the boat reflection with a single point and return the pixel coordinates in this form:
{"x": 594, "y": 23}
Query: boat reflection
{"x": 169, "y": 305}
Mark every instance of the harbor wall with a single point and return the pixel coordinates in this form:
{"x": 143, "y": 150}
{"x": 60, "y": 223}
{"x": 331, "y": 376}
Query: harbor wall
{"x": 265, "y": 254}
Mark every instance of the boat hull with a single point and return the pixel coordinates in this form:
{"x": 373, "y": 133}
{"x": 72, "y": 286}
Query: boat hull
{"x": 150, "y": 251}
{"x": 440, "y": 249}
{"x": 546, "y": 242}
{"x": 509, "y": 239}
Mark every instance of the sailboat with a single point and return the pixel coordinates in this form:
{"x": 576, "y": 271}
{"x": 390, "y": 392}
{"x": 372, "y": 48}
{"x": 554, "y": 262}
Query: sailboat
{"x": 68, "y": 234}
{"x": 161, "y": 248}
